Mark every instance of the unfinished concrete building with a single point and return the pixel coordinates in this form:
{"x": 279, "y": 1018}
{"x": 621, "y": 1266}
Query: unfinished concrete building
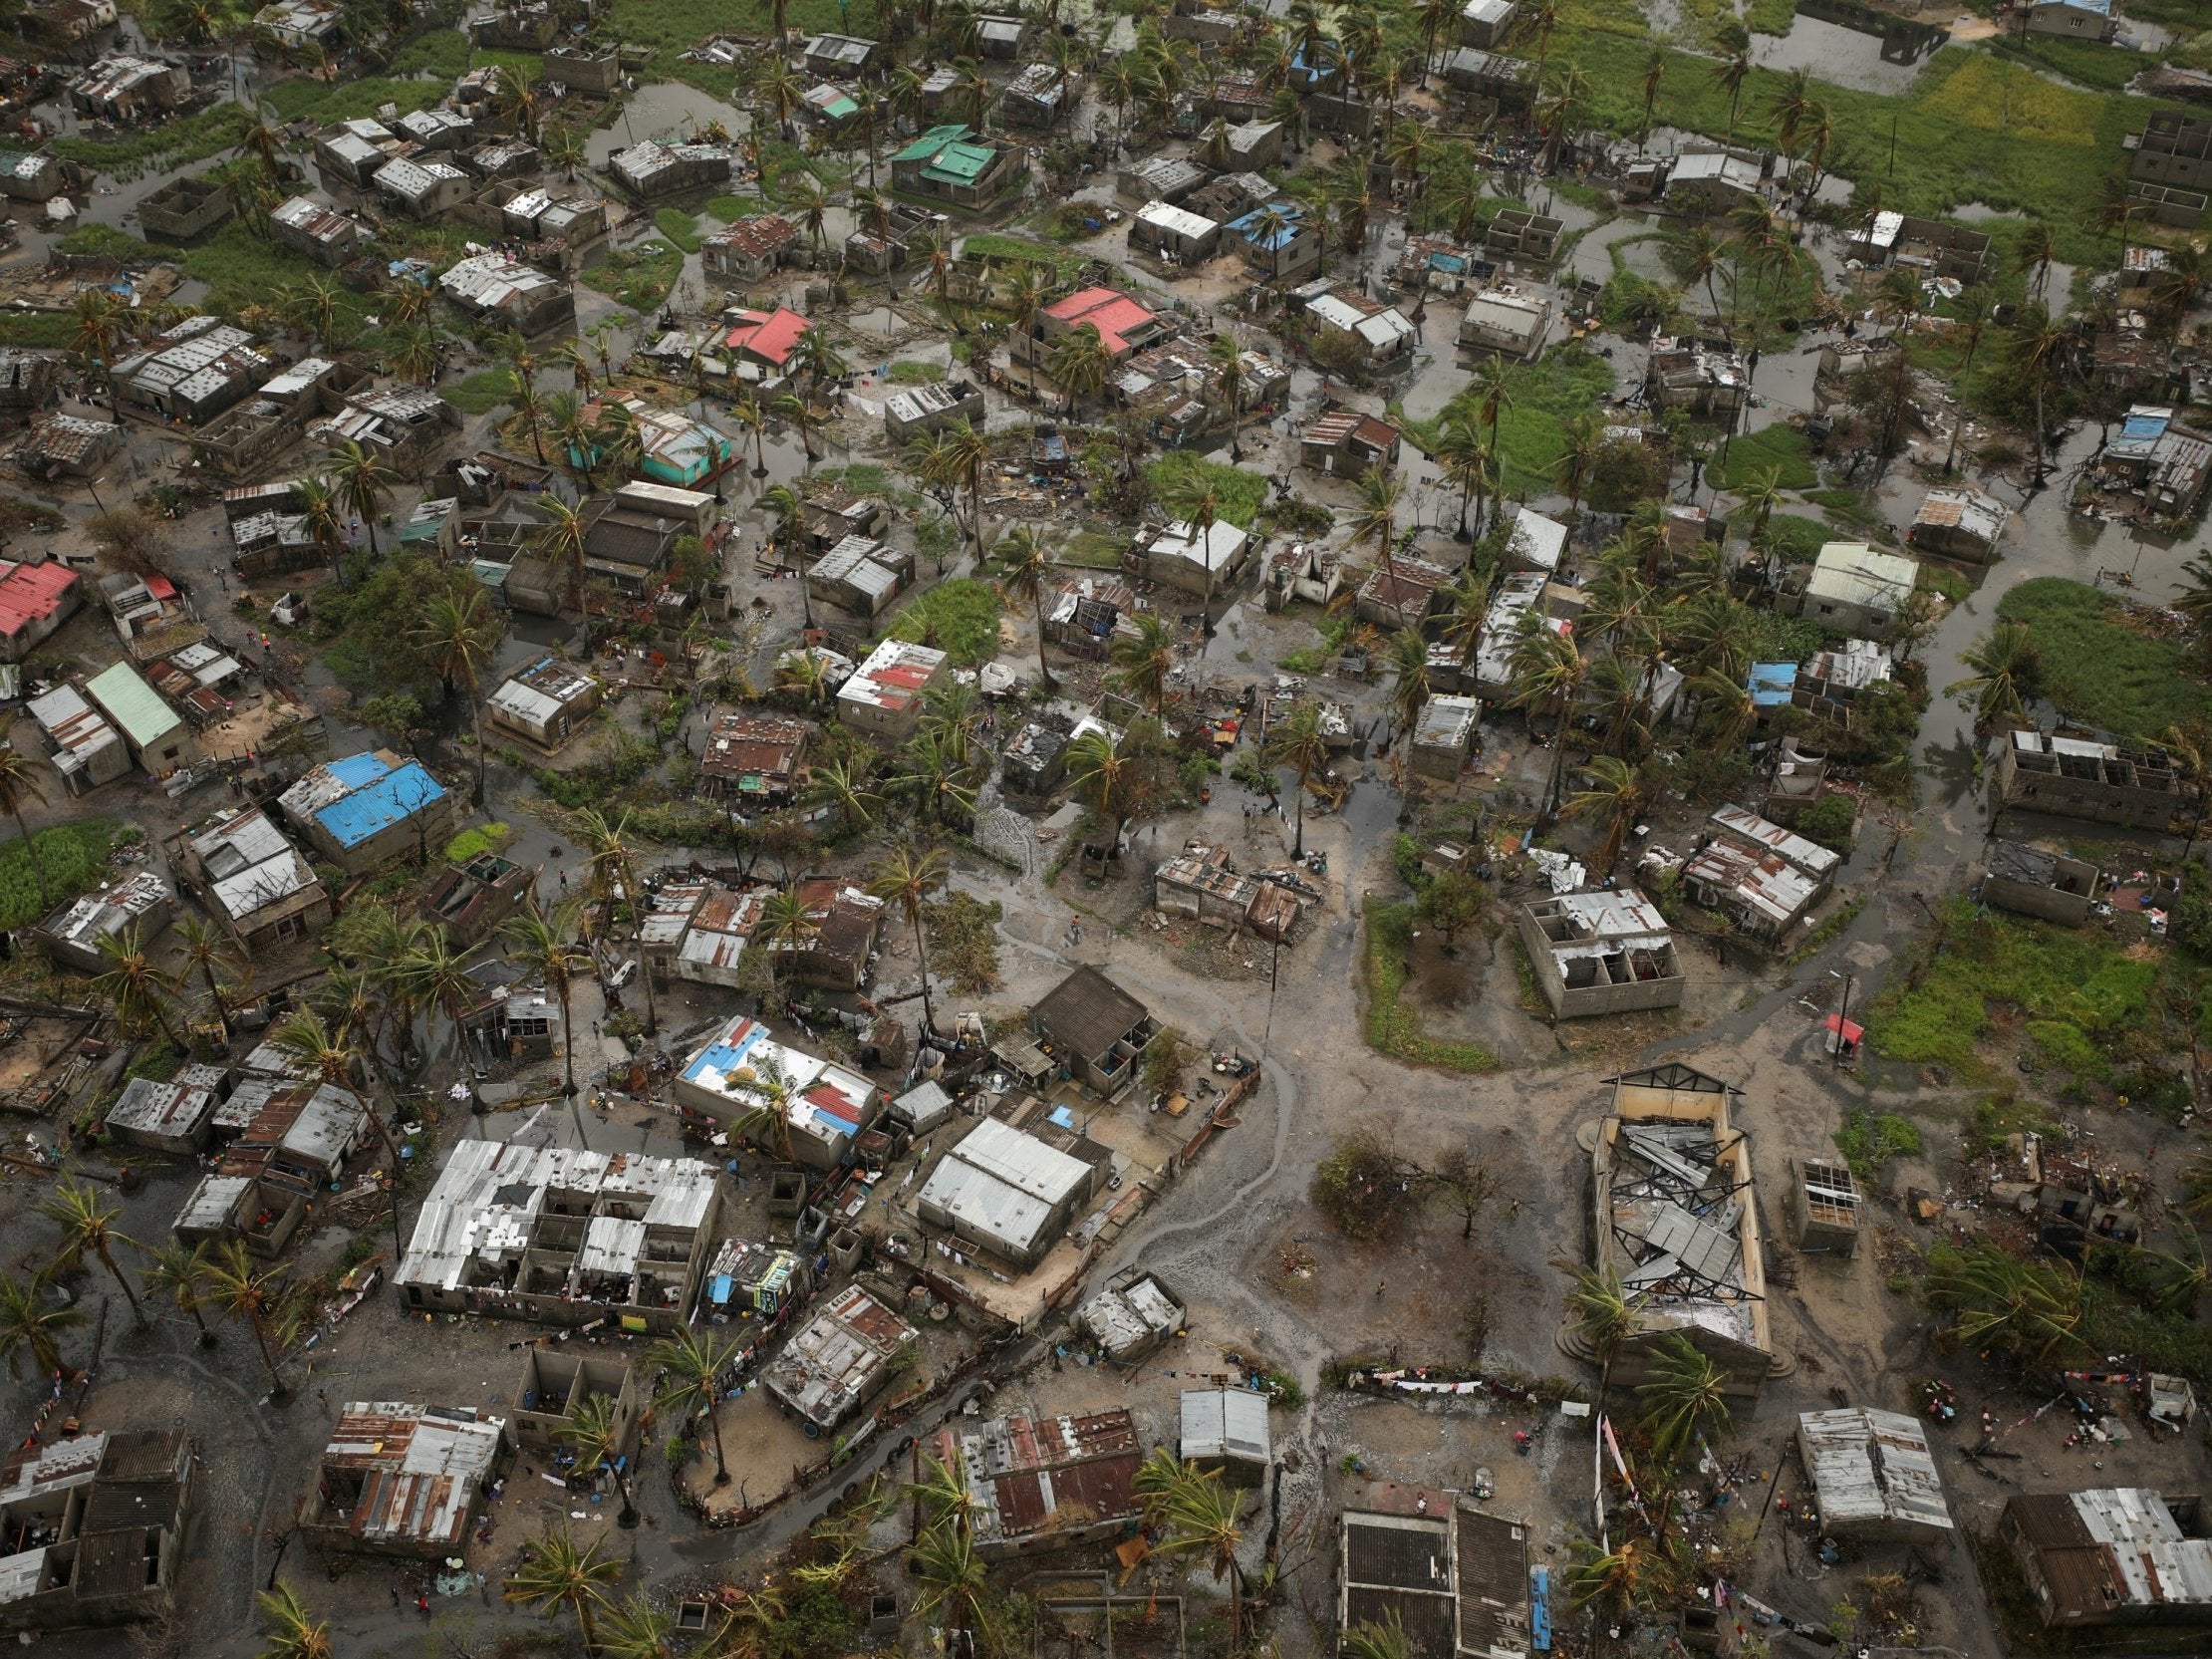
{"x": 1672, "y": 1203}
{"x": 2075, "y": 778}
{"x": 94, "y": 1525}
{"x": 1601, "y": 953}
{"x": 563, "y": 1236}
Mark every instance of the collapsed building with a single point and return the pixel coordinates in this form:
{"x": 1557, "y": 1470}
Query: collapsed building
{"x": 1672, "y": 1203}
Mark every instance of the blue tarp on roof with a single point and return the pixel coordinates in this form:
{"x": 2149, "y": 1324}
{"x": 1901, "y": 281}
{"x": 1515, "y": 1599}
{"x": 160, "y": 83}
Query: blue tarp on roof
{"x": 724, "y": 1058}
{"x": 1771, "y": 683}
{"x": 391, "y": 798}
{"x": 356, "y": 770}
{"x": 1289, "y": 210}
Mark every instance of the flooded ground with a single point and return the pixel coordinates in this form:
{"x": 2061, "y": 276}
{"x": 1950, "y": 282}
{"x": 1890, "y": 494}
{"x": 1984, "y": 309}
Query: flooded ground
{"x": 1843, "y": 56}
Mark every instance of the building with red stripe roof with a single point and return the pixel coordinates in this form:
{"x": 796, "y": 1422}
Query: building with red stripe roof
{"x": 35, "y": 600}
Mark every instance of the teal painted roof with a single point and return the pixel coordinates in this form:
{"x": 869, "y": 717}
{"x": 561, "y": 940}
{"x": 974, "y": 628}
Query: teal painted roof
{"x": 934, "y": 139}
{"x": 960, "y": 163}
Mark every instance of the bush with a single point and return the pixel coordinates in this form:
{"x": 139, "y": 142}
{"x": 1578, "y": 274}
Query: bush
{"x": 1363, "y": 1190}
{"x": 2100, "y": 665}
{"x": 959, "y": 618}
{"x": 1868, "y": 1141}
{"x": 1830, "y": 821}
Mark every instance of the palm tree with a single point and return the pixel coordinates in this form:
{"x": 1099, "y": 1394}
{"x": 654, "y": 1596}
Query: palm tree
{"x": 362, "y": 482}
{"x": 1996, "y": 1300}
{"x": 1226, "y": 359}
{"x": 1621, "y": 794}
{"x": 179, "y": 1274}
{"x": 691, "y": 1365}
{"x": 1079, "y": 363}
{"x": 1023, "y": 571}
{"x": 411, "y": 351}
{"x": 138, "y": 989}
{"x": 325, "y": 520}
{"x": 1730, "y": 77}
{"x": 1586, "y": 440}
{"x": 304, "y": 1037}
{"x": 636, "y": 1629}
{"x": 1790, "y": 110}
{"x": 1971, "y": 315}
{"x": 1621, "y": 1581}
{"x": 1143, "y": 660}
{"x": 98, "y": 322}
{"x": 27, "y": 1323}
{"x": 1729, "y": 702}
{"x": 244, "y": 1293}
{"x": 1695, "y": 253}
{"x": 907, "y": 880}
{"x": 1655, "y": 73}
{"x": 562, "y": 541}
{"x": 845, "y": 786}
{"x": 1491, "y": 389}
{"x": 20, "y": 784}
{"x": 1686, "y": 1397}
{"x": 459, "y": 636}
{"x": 2039, "y": 346}
{"x": 542, "y": 946}
{"x": 954, "y": 1580}
{"x": 1297, "y": 744}
{"x": 556, "y": 1573}
{"x": 1604, "y": 1317}
{"x": 789, "y": 927}
{"x": 1409, "y": 662}
{"x": 594, "y": 1432}
{"x": 1464, "y": 459}
{"x": 294, "y": 1630}
{"x": 944, "y": 1493}
{"x": 1548, "y": 669}
{"x": 2007, "y": 666}
{"x": 88, "y": 1223}
{"x": 1386, "y": 1640}
{"x": 1195, "y": 1510}
{"x": 1109, "y": 778}
{"x": 1376, "y": 520}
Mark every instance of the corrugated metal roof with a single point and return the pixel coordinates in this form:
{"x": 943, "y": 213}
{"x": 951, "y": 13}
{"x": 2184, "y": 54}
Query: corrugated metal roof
{"x": 1225, "y": 1423}
{"x": 1871, "y": 1466}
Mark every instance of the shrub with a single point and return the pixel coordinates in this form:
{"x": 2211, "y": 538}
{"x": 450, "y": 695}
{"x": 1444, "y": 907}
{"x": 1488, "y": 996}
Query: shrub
{"x": 959, "y": 618}
{"x": 1868, "y": 1141}
{"x": 1830, "y": 821}
{"x": 74, "y": 856}
{"x": 1362, "y": 1188}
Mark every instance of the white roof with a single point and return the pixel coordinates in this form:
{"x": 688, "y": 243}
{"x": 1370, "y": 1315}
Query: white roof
{"x": 1383, "y": 328}
{"x": 1216, "y": 550}
{"x": 883, "y": 681}
{"x": 1538, "y": 541}
{"x": 1853, "y": 573}
{"x": 1487, "y": 10}
{"x": 250, "y": 863}
{"x": 1871, "y": 1466}
{"x": 1622, "y": 919}
{"x": 1176, "y": 221}
{"x": 1508, "y": 311}
{"x": 1002, "y": 1185}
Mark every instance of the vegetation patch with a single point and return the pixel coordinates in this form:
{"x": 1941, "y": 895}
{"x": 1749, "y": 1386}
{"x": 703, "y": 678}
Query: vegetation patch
{"x": 1064, "y": 266}
{"x": 1180, "y": 475}
{"x": 1868, "y": 1141}
{"x": 639, "y": 277}
{"x": 1394, "y": 1028}
{"x": 959, "y": 618}
{"x": 479, "y": 393}
{"x": 195, "y": 138}
{"x": 729, "y": 210}
{"x": 1797, "y": 538}
{"x": 1999, "y": 97}
{"x": 916, "y": 374}
{"x": 104, "y": 241}
{"x": 680, "y": 227}
{"x": 75, "y": 858}
{"x": 2078, "y": 994}
{"x": 1755, "y": 455}
{"x": 1544, "y": 398}
{"x": 2097, "y": 662}
{"x": 323, "y": 102}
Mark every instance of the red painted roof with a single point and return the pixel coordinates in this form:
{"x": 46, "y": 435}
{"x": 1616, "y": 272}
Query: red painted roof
{"x": 769, "y": 337}
{"x": 906, "y": 677}
{"x": 32, "y": 593}
{"x": 159, "y": 587}
{"x": 1115, "y": 315}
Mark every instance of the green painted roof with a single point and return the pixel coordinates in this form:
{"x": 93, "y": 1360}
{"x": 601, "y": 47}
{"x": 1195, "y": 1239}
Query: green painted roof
{"x": 960, "y": 163}
{"x": 934, "y": 139}
{"x": 132, "y": 703}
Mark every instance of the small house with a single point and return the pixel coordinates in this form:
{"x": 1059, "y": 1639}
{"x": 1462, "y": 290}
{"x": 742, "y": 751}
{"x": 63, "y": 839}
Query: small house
{"x": 2053, "y": 886}
{"x": 472, "y": 901}
{"x": 1444, "y": 736}
{"x": 507, "y": 294}
{"x": 139, "y": 907}
{"x": 159, "y": 739}
{"x": 86, "y": 752}
{"x": 1705, "y": 380}
{"x": 162, "y": 1116}
{"x": 36, "y": 597}
{"x": 1037, "y": 96}
{"x": 543, "y": 704}
{"x": 1872, "y": 1475}
{"x": 1173, "y": 235}
{"x": 1225, "y": 1430}
{"x": 317, "y": 229}
{"x": 840, "y": 57}
{"x": 885, "y": 696}
{"x": 1365, "y": 331}
{"x": 254, "y": 881}
{"x": 755, "y": 759}
{"x": 185, "y": 209}
{"x": 2110, "y": 1555}
{"x": 955, "y": 164}
{"x": 1600, "y": 952}
{"x": 1507, "y": 321}
{"x": 838, "y": 1359}
{"x": 555, "y": 1386}
{"x": 1857, "y": 589}
{"x": 423, "y": 190}
{"x": 932, "y": 409}
{"x": 1958, "y": 523}
{"x": 1034, "y": 762}
{"x": 751, "y": 249}
{"x": 363, "y": 811}
{"x": 404, "y": 1481}
{"x": 2077, "y": 777}
{"x": 1182, "y": 556}
{"x": 1345, "y": 444}
{"x": 1095, "y": 1029}
{"x": 653, "y": 168}
{"x": 2090, "y": 20}
{"x": 1824, "y": 1203}
{"x": 1486, "y": 23}
{"x": 124, "y": 89}
{"x": 1009, "y": 1194}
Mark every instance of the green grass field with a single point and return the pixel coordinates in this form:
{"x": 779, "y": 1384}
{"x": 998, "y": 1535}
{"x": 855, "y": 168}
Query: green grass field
{"x": 1546, "y": 395}
{"x": 2099, "y": 670}
{"x": 1394, "y": 1028}
{"x": 1754, "y": 454}
{"x": 1238, "y": 494}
